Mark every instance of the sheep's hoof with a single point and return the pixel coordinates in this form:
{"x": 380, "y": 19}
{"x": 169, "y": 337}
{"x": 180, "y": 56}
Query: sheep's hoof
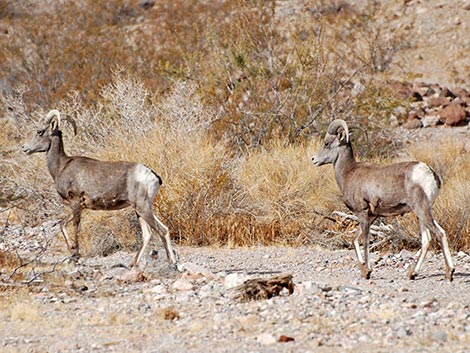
{"x": 365, "y": 271}
{"x": 450, "y": 274}
{"x": 174, "y": 267}
{"x": 412, "y": 274}
{"x": 75, "y": 255}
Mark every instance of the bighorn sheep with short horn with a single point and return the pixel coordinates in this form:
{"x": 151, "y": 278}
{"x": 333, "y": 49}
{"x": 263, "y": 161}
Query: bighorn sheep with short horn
{"x": 373, "y": 190}
{"x": 86, "y": 183}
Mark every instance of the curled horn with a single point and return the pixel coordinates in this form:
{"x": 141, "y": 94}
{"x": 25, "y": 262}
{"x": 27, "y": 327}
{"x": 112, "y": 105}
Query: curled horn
{"x": 54, "y": 113}
{"x": 72, "y": 122}
{"x": 54, "y": 116}
{"x": 335, "y": 125}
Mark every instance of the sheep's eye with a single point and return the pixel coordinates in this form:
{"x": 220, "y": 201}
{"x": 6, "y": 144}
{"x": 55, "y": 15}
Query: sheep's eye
{"x": 327, "y": 144}
{"x": 41, "y": 132}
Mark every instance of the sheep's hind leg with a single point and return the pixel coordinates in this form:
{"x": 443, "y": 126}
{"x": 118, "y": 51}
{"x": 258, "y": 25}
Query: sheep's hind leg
{"x": 425, "y": 241}
{"x": 146, "y": 235}
{"x": 441, "y": 234}
{"x": 162, "y": 231}
{"x": 76, "y": 218}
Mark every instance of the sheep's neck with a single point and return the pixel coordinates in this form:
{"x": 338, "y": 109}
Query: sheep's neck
{"x": 56, "y": 157}
{"x": 343, "y": 164}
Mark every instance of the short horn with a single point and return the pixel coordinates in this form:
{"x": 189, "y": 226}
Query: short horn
{"x": 335, "y": 125}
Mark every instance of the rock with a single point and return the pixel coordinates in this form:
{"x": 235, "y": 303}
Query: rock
{"x": 358, "y": 89}
{"x": 440, "y": 336}
{"x": 416, "y": 96}
{"x": 146, "y": 4}
{"x": 405, "y": 254}
{"x": 460, "y": 101}
{"x": 453, "y": 114}
{"x": 192, "y": 268}
{"x": 466, "y": 101}
{"x": 412, "y": 124}
{"x": 266, "y": 339}
{"x": 159, "y": 289}
{"x": 461, "y": 92}
{"x": 283, "y": 338}
{"x": 431, "y": 120}
{"x": 132, "y": 276}
{"x": 310, "y": 288}
{"x": 461, "y": 254}
{"x": 412, "y": 115}
{"x": 400, "y": 112}
{"x": 182, "y": 285}
{"x": 235, "y": 279}
{"x": 434, "y": 102}
{"x": 393, "y": 121}
{"x": 403, "y": 332}
{"x": 445, "y": 92}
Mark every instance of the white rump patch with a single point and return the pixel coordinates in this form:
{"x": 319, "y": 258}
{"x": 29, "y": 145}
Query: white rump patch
{"x": 145, "y": 176}
{"x": 422, "y": 175}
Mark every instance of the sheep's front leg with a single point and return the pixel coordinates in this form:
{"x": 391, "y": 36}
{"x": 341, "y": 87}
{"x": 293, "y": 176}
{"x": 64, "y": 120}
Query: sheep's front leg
{"x": 364, "y": 224}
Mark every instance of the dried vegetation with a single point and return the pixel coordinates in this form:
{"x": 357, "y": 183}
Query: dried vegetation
{"x": 226, "y": 101}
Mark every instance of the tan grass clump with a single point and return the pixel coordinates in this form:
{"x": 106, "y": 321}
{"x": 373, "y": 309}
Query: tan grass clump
{"x": 213, "y": 193}
{"x": 279, "y": 185}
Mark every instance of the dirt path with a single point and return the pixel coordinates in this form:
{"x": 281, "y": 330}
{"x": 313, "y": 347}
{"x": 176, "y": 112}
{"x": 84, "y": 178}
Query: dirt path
{"x": 97, "y": 306}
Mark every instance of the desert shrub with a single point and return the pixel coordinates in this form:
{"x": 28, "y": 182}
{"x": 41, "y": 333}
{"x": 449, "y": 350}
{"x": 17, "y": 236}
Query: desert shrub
{"x": 226, "y": 101}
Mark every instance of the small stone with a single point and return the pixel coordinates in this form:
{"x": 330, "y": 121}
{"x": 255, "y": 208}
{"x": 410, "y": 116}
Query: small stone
{"x": 310, "y": 288}
{"x": 434, "y": 102}
{"x": 412, "y": 124}
{"x": 440, "y": 336}
{"x": 235, "y": 279}
{"x": 132, "y": 276}
{"x": 158, "y": 289}
{"x": 405, "y": 254}
{"x": 461, "y": 92}
{"x": 400, "y": 112}
{"x": 403, "y": 332}
{"x": 393, "y": 121}
{"x": 194, "y": 269}
{"x": 430, "y": 120}
{"x": 283, "y": 338}
{"x": 453, "y": 114}
{"x": 182, "y": 285}
{"x": 445, "y": 92}
{"x": 266, "y": 339}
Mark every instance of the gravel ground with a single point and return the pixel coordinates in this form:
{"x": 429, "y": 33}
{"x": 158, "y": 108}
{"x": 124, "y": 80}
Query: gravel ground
{"x": 100, "y": 306}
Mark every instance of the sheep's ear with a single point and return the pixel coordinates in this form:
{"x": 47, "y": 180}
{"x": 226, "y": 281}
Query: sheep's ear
{"x": 54, "y": 125}
{"x": 342, "y": 137}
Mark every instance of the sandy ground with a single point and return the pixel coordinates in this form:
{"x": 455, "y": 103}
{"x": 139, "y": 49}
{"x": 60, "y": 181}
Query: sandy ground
{"x": 97, "y": 305}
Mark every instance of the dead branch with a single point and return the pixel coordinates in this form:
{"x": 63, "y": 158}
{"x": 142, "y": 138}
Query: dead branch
{"x": 380, "y": 230}
{"x": 264, "y": 288}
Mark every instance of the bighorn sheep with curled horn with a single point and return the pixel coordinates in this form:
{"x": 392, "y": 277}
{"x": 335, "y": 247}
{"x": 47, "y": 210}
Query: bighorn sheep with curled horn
{"x": 373, "y": 190}
{"x": 86, "y": 183}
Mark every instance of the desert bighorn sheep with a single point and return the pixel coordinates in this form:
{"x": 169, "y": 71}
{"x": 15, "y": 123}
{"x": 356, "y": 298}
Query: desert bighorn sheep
{"x": 86, "y": 183}
{"x": 373, "y": 190}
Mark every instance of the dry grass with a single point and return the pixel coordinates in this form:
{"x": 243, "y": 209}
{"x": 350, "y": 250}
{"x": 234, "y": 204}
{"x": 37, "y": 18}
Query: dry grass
{"x": 211, "y": 195}
{"x": 228, "y": 112}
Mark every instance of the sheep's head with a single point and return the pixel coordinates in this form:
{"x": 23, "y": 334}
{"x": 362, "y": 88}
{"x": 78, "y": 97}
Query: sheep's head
{"x": 336, "y": 138}
{"x": 43, "y": 137}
